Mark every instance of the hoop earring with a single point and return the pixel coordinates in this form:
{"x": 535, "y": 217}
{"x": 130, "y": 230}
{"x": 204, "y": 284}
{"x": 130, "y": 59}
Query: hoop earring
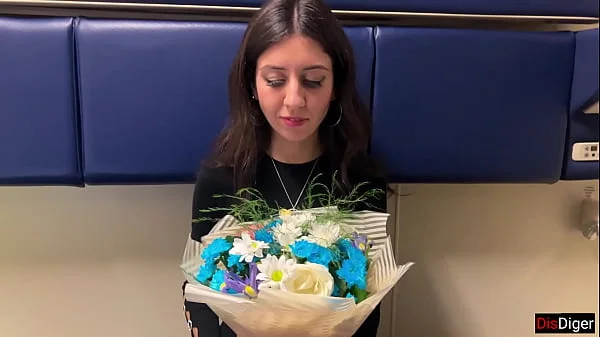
{"x": 339, "y": 118}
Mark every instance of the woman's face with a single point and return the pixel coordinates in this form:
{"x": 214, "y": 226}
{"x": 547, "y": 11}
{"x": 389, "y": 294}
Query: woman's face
{"x": 294, "y": 86}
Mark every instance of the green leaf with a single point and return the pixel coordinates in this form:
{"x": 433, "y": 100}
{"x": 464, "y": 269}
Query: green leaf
{"x": 359, "y": 294}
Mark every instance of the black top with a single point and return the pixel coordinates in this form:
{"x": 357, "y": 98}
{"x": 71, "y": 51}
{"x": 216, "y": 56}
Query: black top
{"x": 219, "y": 180}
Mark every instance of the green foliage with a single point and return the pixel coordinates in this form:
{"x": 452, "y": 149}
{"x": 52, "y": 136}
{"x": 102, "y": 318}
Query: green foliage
{"x": 250, "y": 206}
{"x": 359, "y": 294}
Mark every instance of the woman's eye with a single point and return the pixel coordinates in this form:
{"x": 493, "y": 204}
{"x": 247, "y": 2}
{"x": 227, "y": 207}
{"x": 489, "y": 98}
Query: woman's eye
{"x": 313, "y": 84}
{"x": 307, "y": 83}
{"x": 275, "y": 83}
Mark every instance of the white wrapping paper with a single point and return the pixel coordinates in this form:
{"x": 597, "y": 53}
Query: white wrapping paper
{"x": 277, "y": 313}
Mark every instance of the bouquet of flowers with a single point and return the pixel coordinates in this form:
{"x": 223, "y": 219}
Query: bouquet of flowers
{"x": 274, "y": 272}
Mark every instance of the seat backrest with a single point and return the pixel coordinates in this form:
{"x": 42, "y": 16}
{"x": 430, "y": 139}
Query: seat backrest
{"x": 123, "y": 101}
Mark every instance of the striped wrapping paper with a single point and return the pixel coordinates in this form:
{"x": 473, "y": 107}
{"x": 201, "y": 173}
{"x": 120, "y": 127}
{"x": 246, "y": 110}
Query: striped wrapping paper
{"x": 276, "y": 313}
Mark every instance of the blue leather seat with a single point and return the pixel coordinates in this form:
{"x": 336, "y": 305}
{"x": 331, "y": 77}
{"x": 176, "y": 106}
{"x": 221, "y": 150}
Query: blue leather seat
{"x": 455, "y": 105}
{"x": 38, "y": 120}
{"x": 140, "y": 102}
{"x": 583, "y": 127}
{"x": 154, "y": 95}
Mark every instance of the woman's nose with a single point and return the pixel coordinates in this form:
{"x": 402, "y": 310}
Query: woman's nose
{"x": 294, "y": 95}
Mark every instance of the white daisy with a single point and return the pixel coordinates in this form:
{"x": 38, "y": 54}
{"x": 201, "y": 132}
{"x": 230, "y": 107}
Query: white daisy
{"x": 297, "y": 219}
{"x": 247, "y": 248}
{"x": 323, "y": 234}
{"x": 287, "y": 232}
{"x": 274, "y": 270}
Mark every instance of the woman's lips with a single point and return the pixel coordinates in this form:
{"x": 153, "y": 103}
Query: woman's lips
{"x": 294, "y": 121}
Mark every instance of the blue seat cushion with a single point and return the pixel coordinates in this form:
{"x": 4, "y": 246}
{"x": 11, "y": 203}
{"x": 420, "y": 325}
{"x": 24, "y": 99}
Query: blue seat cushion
{"x": 583, "y": 127}
{"x": 455, "y": 105}
{"x": 38, "y": 121}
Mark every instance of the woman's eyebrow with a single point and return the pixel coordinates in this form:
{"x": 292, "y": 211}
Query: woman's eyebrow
{"x": 316, "y": 66}
{"x": 312, "y": 67}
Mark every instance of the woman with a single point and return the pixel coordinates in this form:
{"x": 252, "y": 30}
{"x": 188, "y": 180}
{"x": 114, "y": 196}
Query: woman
{"x": 295, "y": 114}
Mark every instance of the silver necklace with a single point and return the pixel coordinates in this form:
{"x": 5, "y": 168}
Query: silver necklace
{"x": 285, "y": 189}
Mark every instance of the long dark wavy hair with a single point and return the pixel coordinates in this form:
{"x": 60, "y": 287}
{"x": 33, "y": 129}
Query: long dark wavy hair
{"x": 247, "y": 134}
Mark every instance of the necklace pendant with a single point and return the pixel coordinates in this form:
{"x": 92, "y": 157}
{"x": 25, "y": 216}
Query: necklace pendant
{"x": 293, "y": 209}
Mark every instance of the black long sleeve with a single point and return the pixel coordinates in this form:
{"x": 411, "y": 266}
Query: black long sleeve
{"x": 210, "y": 182}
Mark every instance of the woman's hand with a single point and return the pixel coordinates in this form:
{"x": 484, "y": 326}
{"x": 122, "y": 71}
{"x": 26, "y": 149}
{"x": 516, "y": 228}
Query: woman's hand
{"x": 188, "y": 319}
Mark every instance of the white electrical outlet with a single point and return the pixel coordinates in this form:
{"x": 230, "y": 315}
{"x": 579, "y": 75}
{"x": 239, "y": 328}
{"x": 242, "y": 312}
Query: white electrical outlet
{"x": 585, "y": 151}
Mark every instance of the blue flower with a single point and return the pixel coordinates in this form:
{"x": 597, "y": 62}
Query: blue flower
{"x": 273, "y": 223}
{"x": 234, "y": 261}
{"x": 206, "y": 272}
{"x": 352, "y": 252}
{"x": 357, "y": 255}
{"x": 304, "y": 249}
{"x": 324, "y": 257}
{"x": 312, "y": 252}
{"x": 354, "y": 272}
{"x": 215, "y": 249}
{"x": 344, "y": 245}
{"x": 218, "y": 282}
{"x": 263, "y": 235}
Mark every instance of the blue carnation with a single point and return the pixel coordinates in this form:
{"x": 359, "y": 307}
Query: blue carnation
{"x": 263, "y": 235}
{"x": 351, "y": 252}
{"x": 324, "y": 257}
{"x": 312, "y": 252}
{"x": 215, "y": 248}
{"x": 354, "y": 272}
{"x": 206, "y": 272}
{"x": 234, "y": 261}
{"x": 273, "y": 223}
{"x": 304, "y": 249}
{"x": 357, "y": 255}
{"x": 344, "y": 245}
{"x": 218, "y": 282}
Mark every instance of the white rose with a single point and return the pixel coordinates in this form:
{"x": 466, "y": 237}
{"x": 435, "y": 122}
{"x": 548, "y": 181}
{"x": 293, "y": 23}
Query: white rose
{"x": 309, "y": 278}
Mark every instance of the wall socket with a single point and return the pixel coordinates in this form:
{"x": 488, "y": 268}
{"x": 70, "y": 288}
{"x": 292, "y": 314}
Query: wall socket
{"x": 585, "y": 151}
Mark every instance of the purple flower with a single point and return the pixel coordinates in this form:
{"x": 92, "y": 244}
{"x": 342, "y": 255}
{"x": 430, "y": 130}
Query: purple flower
{"x": 360, "y": 241}
{"x": 247, "y": 286}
